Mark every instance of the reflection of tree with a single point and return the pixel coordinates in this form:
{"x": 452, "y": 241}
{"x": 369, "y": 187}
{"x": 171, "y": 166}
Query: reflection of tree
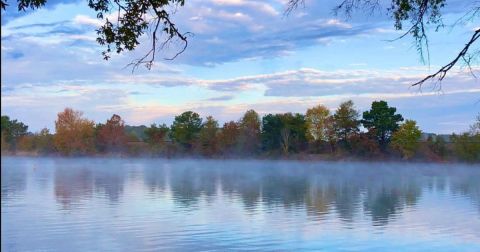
{"x": 467, "y": 185}
{"x": 155, "y": 178}
{"x": 284, "y": 189}
{"x": 318, "y": 199}
{"x": 347, "y": 199}
{"x": 188, "y": 184}
{"x": 13, "y": 181}
{"x": 110, "y": 182}
{"x": 243, "y": 183}
{"x": 72, "y": 185}
{"x": 388, "y": 200}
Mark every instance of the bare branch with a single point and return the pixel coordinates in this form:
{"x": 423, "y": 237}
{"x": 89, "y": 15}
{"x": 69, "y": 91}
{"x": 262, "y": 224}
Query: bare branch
{"x": 442, "y": 72}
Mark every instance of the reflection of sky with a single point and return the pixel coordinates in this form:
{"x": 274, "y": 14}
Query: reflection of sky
{"x": 158, "y": 204}
{"x": 245, "y": 54}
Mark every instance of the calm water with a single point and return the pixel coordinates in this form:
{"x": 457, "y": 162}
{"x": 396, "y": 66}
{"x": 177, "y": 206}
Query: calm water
{"x": 151, "y": 205}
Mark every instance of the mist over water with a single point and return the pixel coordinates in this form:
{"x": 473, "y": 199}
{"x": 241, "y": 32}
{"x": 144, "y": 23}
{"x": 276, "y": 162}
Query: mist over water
{"x": 154, "y": 204}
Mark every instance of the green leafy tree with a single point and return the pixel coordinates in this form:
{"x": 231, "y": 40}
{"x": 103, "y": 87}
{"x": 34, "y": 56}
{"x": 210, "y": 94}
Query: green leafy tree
{"x": 381, "y": 121}
{"x": 467, "y": 145}
{"x": 346, "y": 122}
{"x": 12, "y": 131}
{"x": 286, "y": 132}
{"x": 185, "y": 129}
{"x": 406, "y": 139}
{"x": 208, "y": 137}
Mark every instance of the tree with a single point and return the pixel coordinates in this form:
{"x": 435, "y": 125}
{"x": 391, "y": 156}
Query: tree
{"x": 331, "y": 132}
{"x": 346, "y": 121}
{"x": 157, "y": 137}
{"x": 467, "y": 145}
{"x": 12, "y": 131}
{"x": 185, "y": 129}
{"x": 419, "y": 14}
{"x": 381, "y": 121}
{"x": 208, "y": 138}
{"x": 44, "y": 141}
{"x": 406, "y": 139}
{"x": 74, "y": 134}
{"x": 316, "y": 120}
{"x": 111, "y": 137}
{"x": 437, "y": 145}
{"x": 228, "y": 137}
{"x": 249, "y": 139}
{"x": 130, "y": 20}
{"x": 283, "y": 131}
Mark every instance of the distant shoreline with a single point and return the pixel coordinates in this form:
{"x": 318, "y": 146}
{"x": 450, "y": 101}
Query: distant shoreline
{"x": 293, "y": 157}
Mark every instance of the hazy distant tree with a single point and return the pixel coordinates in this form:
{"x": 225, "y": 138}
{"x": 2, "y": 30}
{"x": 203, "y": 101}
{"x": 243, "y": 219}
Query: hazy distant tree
{"x": 437, "y": 145}
{"x": 381, "y": 121}
{"x": 74, "y": 134}
{"x": 406, "y": 139}
{"x": 44, "y": 141}
{"x": 475, "y": 127}
{"x": 12, "y": 131}
{"x": 111, "y": 136}
{"x": 365, "y": 146}
{"x": 316, "y": 118}
{"x": 156, "y": 137}
{"x": 249, "y": 139}
{"x": 185, "y": 129}
{"x": 467, "y": 145}
{"x": 346, "y": 121}
{"x": 208, "y": 138}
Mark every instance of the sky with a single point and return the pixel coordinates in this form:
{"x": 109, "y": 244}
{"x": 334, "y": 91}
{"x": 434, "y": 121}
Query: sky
{"x": 242, "y": 55}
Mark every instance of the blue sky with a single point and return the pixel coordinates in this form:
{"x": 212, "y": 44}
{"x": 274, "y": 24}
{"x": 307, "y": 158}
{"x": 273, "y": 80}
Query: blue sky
{"x": 243, "y": 55}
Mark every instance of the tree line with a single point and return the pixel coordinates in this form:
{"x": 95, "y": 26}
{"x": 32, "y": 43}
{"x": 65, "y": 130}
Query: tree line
{"x": 378, "y": 133}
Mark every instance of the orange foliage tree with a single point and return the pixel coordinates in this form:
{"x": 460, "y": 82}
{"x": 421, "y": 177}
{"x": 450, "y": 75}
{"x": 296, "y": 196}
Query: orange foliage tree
{"x": 74, "y": 134}
{"x": 111, "y": 137}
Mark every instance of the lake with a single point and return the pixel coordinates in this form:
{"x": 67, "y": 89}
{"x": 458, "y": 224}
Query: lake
{"x": 101, "y": 204}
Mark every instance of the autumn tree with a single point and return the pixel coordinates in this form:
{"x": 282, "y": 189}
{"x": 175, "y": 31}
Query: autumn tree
{"x": 346, "y": 122}
{"x": 406, "y": 139}
{"x": 228, "y": 137}
{"x": 316, "y": 122}
{"x": 249, "y": 139}
{"x": 381, "y": 121}
{"x": 74, "y": 134}
{"x": 208, "y": 137}
{"x": 111, "y": 136}
{"x": 185, "y": 129}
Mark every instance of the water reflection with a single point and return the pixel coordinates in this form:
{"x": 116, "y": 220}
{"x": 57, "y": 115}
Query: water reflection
{"x": 146, "y": 194}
